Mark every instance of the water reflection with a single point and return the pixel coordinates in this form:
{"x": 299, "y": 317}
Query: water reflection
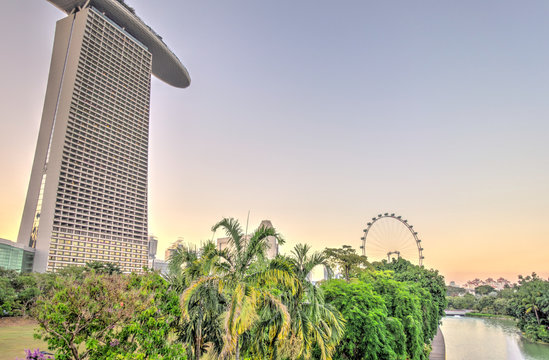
{"x": 488, "y": 339}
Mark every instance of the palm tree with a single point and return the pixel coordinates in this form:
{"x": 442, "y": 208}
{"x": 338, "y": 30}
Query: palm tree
{"x": 304, "y": 263}
{"x": 201, "y": 327}
{"x": 314, "y": 324}
{"x": 180, "y": 263}
{"x": 265, "y": 339}
{"x": 530, "y": 304}
{"x": 313, "y": 321}
{"x": 247, "y": 286}
{"x": 531, "y": 290}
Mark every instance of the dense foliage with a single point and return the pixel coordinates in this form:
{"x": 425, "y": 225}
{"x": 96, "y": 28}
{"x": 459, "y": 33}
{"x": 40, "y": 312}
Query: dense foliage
{"x": 530, "y": 306}
{"x": 392, "y": 311}
{"x": 268, "y": 308}
{"x": 233, "y": 304}
{"x": 346, "y": 261}
{"x": 18, "y": 292}
{"x": 528, "y": 302}
{"x": 102, "y": 316}
{"x": 455, "y": 291}
{"x": 428, "y": 279}
{"x": 369, "y": 334}
{"x": 484, "y": 290}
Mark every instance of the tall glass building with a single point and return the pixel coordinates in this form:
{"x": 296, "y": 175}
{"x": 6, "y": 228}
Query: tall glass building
{"x": 87, "y": 196}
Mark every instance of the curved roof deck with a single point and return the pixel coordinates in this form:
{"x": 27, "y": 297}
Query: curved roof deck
{"x": 165, "y": 65}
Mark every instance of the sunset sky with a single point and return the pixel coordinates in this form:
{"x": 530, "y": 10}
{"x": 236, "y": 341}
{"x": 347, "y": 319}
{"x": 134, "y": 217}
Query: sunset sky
{"x": 319, "y": 115}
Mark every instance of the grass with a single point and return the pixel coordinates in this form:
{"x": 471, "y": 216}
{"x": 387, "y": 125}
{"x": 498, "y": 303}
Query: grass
{"x": 16, "y": 335}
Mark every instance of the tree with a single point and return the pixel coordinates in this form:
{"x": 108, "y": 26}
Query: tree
{"x": 266, "y": 339}
{"x": 8, "y": 296}
{"x": 530, "y": 305}
{"x": 101, "y": 267}
{"x": 465, "y": 302}
{"x": 314, "y": 322}
{"x": 386, "y": 317}
{"x": 485, "y": 304}
{"x": 18, "y": 292}
{"x": 531, "y": 289}
{"x": 501, "y": 306}
{"x": 183, "y": 267}
{"x": 79, "y": 313}
{"x": 346, "y": 260}
{"x": 484, "y": 290}
{"x": 247, "y": 286}
{"x": 412, "y": 305}
{"x": 430, "y": 280}
{"x": 304, "y": 262}
{"x": 202, "y": 326}
{"x": 104, "y": 316}
{"x": 455, "y": 291}
{"x": 369, "y": 333}
{"x": 150, "y": 334}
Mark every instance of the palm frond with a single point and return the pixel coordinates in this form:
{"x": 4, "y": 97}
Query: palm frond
{"x": 305, "y": 263}
{"x": 190, "y": 291}
{"x": 257, "y": 245}
{"x": 233, "y": 230}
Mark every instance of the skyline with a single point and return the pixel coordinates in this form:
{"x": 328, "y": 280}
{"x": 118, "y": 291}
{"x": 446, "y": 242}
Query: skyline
{"x": 320, "y": 117}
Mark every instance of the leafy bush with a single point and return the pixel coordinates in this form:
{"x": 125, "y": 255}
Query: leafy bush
{"x": 105, "y": 316}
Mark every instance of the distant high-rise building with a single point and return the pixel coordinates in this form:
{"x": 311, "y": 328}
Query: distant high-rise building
{"x": 272, "y": 243}
{"x": 161, "y": 266}
{"x": 87, "y": 196}
{"x": 222, "y": 243}
{"x": 173, "y": 246}
{"x": 153, "y": 247}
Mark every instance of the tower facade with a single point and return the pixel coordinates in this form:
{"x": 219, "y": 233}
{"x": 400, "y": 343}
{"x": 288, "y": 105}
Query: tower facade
{"x": 87, "y": 196}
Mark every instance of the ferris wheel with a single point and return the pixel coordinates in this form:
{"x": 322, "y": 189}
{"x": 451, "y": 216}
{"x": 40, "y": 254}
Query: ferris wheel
{"x": 389, "y": 236}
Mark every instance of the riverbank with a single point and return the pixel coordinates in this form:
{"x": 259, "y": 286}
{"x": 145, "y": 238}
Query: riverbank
{"x": 438, "y": 345}
{"x": 489, "y": 316}
{"x": 473, "y": 313}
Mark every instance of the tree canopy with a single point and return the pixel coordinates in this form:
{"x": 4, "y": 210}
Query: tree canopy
{"x": 346, "y": 260}
{"x": 235, "y": 303}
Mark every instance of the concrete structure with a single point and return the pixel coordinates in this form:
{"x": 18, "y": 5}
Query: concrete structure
{"x": 272, "y": 243}
{"x": 272, "y": 249}
{"x": 152, "y": 247}
{"x": 161, "y": 266}
{"x": 439, "y": 347}
{"x": 14, "y": 256}
{"x": 222, "y": 243}
{"x": 87, "y": 196}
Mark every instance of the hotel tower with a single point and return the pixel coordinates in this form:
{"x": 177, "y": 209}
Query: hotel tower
{"x": 87, "y": 196}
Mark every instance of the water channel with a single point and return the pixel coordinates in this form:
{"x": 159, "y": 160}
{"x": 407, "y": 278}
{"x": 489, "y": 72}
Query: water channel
{"x": 488, "y": 339}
